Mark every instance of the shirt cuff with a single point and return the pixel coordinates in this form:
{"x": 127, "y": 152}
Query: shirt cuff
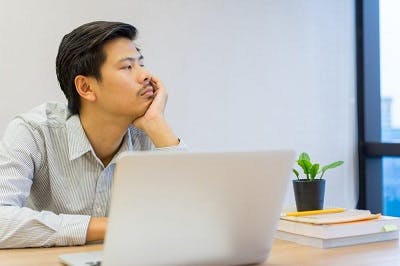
{"x": 73, "y": 230}
{"x": 180, "y": 147}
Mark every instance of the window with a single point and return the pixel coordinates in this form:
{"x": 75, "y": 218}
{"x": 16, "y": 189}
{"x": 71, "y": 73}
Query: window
{"x": 390, "y": 100}
{"x": 378, "y": 56}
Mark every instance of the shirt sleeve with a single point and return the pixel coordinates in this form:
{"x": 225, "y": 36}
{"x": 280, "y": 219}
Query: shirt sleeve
{"x": 180, "y": 147}
{"x": 20, "y": 157}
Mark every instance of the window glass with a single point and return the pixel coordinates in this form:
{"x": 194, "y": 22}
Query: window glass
{"x": 390, "y": 100}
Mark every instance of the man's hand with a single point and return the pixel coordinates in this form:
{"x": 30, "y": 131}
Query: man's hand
{"x": 157, "y": 107}
{"x": 153, "y": 121}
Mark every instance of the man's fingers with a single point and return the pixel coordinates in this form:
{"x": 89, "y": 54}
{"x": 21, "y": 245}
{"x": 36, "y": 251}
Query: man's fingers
{"x": 155, "y": 79}
{"x": 157, "y": 82}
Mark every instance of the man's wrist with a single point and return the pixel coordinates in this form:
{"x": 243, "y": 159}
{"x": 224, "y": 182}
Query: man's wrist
{"x": 160, "y": 133}
{"x": 96, "y": 229}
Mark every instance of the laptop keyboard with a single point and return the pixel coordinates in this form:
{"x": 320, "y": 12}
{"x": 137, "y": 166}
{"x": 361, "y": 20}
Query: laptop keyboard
{"x": 93, "y": 263}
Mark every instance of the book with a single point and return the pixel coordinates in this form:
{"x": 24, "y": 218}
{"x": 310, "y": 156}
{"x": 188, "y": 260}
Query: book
{"x": 336, "y": 242}
{"x": 339, "y": 234}
{"x": 382, "y": 224}
{"x": 331, "y": 218}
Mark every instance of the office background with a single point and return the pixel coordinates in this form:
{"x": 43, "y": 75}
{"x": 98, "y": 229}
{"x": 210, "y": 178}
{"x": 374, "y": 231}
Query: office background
{"x": 241, "y": 75}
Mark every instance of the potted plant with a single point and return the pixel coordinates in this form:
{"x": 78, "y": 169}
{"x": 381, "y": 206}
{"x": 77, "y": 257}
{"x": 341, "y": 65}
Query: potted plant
{"x": 309, "y": 190}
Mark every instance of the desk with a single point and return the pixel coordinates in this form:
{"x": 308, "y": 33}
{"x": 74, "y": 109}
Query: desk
{"x": 283, "y": 253}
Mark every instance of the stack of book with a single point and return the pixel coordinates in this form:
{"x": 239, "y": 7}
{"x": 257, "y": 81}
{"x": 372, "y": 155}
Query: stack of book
{"x": 337, "y": 227}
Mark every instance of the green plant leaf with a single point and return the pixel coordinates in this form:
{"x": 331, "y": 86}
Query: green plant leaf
{"x": 306, "y": 166}
{"x": 314, "y": 171}
{"x": 296, "y": 173}
{"x": 304, "y": 156}
{"x": 330, "y": 166}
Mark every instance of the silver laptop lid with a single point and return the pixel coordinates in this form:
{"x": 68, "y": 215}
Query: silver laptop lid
{"x": 195, "y": 208}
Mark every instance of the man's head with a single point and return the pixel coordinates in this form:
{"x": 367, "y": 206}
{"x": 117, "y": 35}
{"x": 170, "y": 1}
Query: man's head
{"x": 81, "y": 53}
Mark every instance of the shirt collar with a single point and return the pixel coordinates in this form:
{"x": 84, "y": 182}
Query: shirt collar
{"x": 126, "y": 145}
{"x": 78, "y": 143}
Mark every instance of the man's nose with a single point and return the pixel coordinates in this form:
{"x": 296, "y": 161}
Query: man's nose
{"x": 144, "y": 75}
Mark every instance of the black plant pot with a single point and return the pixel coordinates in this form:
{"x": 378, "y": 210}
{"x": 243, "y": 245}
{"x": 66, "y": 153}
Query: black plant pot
{"x": 309, "y": 195}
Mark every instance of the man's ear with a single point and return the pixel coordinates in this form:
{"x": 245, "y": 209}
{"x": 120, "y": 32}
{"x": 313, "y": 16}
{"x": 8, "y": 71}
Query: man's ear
{"x": 84, "y": 87}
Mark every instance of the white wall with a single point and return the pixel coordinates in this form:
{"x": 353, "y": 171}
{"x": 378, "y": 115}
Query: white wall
{"x": 241, "y": 74}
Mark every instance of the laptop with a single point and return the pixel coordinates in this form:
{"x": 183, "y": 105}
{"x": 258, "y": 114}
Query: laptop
{"x": 193, "y": 208}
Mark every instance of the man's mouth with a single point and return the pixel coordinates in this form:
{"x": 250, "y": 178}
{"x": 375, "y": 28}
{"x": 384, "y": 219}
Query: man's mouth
{"x": 147, "y": 91}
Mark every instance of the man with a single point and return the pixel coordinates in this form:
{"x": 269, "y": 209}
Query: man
{"x": 57, "y": 163}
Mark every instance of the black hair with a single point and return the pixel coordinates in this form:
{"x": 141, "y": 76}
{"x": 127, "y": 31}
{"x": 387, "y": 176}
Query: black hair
{"x": 81, "y": 53}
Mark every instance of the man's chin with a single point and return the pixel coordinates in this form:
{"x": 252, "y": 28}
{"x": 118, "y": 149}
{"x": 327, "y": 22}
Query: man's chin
{"x": 136, "y": 117}
{"x": 142, "y": 112}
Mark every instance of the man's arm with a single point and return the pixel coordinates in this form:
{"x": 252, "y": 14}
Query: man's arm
{"x": 20, "y": 155}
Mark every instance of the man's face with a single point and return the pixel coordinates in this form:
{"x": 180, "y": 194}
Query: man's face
{"x": 124, "y": 88}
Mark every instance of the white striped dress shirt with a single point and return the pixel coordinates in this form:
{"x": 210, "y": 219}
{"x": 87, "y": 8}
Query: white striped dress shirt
{"x": 51, "y": 181}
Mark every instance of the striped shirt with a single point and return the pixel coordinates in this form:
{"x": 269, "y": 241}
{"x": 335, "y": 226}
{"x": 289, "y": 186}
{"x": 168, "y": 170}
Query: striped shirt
{"x": 51, "y": 181}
